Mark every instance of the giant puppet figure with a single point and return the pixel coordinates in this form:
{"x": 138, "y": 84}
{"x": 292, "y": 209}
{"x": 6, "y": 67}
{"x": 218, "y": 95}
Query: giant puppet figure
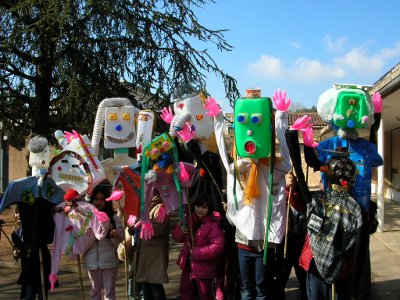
{"x": 348, "y": 108}
{"x": 195, "y": 129}
{"x": 36, "y": 197}
{"x": 256, "y": 179}
{"x": 117, "y": 115}
{"x": 77, "y": 170}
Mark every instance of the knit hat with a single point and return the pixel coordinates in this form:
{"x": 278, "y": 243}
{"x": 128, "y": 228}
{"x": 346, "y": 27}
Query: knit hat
{"x": 71, "y": 195}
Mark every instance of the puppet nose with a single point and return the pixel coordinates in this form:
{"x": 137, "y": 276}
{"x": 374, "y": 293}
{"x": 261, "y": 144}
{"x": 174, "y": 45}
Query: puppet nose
{"x": 118, "y": 127}
{"x": 350, "y": 124}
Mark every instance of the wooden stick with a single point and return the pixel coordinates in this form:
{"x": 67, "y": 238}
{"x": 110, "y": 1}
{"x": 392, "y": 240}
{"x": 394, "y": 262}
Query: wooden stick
{"x": 126, "y": 258}
{"x": 7, "y": 237}
{"x": 80, "y": 276}
{"x": 333, "y": 291}
{"x": 287, "y": 223}
{"x": 44, "y": 296}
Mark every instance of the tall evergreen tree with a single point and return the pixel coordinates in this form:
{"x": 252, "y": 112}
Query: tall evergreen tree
{"x": 60, "y": 58}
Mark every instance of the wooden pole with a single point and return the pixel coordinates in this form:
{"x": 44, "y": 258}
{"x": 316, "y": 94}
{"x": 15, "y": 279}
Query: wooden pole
{"x": 80, "y": 276}
{"x": 44, "y": 296}
{"x": 287, "y": 223}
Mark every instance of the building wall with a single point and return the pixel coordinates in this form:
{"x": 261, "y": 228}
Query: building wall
{"x": 18, "y": 165}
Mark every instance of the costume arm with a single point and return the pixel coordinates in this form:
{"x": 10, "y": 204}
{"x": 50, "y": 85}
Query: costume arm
{"x": 119, "y": 229}
{"x": 219, "y": 137}
{"x": 312, "y": 158}
{"x": 292, "y": 138}
{"x": 57, "y": 244}
{"x": 213, "y": 249}
{"x": 177, "y": 234}
{"x": 281, "y": 124}
{"x": 99, "y": 229}
{"x": 376, "y": 159}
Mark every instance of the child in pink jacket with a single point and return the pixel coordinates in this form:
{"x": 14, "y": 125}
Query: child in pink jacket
{"x": 201, "y": 257}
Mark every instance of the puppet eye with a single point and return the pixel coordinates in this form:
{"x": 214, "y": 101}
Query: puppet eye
{"x": 256, "y": 118}
{"x": 199, "y": 117}
{"x": 112, "y": 116}
{"x": 126, "y": 116}
{"x": 242, "y": 118}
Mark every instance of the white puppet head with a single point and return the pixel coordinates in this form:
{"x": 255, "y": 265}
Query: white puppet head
{"x": 76, "y": 167}
{"x": 145, "y": 128}
{"x": 190, "y": 111}
{"x": 118, "y": 117}
{"x": 39, "y": 153}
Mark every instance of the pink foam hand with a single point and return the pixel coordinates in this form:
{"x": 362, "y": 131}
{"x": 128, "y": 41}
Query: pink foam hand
{"x": 131, "y": 220}
{"x": 167, "y": 115}
{"x": 183, "y": 174}
{"x": 53, "y": 279}
{"x": 377, "y": 100}
{"x": 281, "y": 102}
{"x": 212, "y": 108}
{"x": 308, "y": 137}
{"x": 161, "y": 214}
{"x": 69, "y": 136}
{"x": 101, "y": 216}
{"x": 146, "y": 230}
{"x": 302, "y": 123}
{"x": 186, "y": 134}
{"x": 115, "y": 196}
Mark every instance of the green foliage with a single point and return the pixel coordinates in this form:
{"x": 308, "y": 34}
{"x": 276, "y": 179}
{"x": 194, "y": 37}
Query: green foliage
{"x": 60, "y": 58}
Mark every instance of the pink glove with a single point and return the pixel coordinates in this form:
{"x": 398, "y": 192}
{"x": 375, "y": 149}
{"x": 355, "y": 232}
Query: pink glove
{"x": 146, "y": 230}
{"x": 186, "y": 134}
{"x": 281, "y": 103}
{"x": 167, "y": 115}
{"x": 183, "y": 175}
{"x": 53, "y": 279}
{"x": 301, "y": 123}
{"x": 69, "y": 136}
{"x": 101, "y": 216}
{"x": 308, "y": 137}
{"x": 115, "y": 196}
{"x": 131, "y": 220}
{"x": 161, "y": 214}
{"x": 377, "y": 100}
{"x": 212, "y": 107}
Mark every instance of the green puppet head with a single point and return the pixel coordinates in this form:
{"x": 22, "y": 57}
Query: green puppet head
{"x": 252, "y": 125}
{"x": 346, "y": 107}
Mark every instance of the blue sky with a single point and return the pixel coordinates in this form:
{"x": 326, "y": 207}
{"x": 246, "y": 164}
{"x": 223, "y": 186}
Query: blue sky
{"x": 303, "y": 46}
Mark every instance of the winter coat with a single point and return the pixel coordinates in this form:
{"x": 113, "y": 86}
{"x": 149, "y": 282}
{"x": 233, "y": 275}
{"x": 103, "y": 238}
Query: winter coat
{"x": 208, "y": 245}
{"x": 153, "y": 255}
{"x": 103, "y": 253}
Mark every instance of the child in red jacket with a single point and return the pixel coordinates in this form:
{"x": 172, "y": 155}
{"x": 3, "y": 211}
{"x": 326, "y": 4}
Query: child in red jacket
{"x": 201, "y": 256}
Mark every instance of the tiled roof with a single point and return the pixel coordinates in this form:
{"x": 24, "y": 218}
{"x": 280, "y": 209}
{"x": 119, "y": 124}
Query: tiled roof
{"x": 315, "y": 118}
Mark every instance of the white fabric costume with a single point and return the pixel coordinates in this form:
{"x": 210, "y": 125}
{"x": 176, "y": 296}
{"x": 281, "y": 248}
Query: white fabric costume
{"x": 250, "y": 219}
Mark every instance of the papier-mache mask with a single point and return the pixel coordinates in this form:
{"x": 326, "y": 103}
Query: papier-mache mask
{"x": 346, "y": 107}
{"x": 76, "y": 167}
{"x": 145, "y": 128}
{"x": 252, "y": 127}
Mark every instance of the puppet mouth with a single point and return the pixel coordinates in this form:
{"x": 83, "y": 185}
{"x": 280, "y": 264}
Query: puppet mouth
{"x": 120, "y": 140}
{"x": 70, "y": 177}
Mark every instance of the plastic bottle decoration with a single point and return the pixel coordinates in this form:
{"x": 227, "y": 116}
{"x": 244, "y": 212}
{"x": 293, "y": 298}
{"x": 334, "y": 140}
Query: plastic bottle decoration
{"x": 346, "y": 107}
{"x": 76, "y": 167}
{"x": 145, "y": 129}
